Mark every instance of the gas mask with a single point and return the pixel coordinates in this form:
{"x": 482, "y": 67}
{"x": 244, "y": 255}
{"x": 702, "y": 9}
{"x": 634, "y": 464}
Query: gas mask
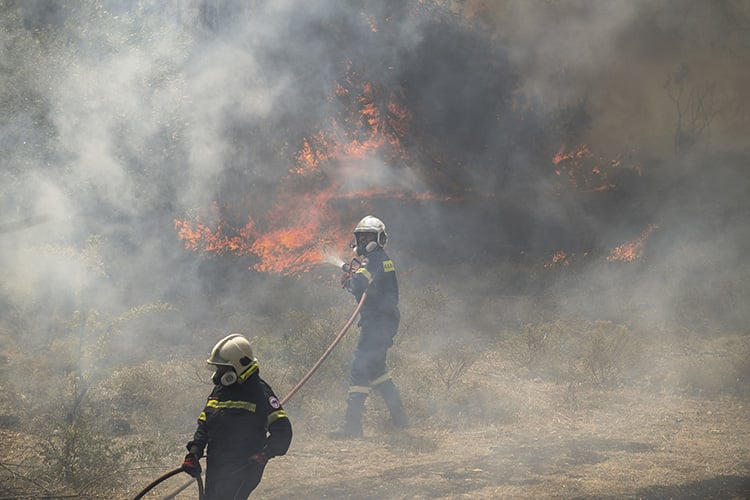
{"x": 224, "y": 375}
{"x": 361, "y": 248}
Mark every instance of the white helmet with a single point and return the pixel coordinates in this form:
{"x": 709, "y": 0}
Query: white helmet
{"x": 234, "y": 351}
{"x": 374, "y": 225}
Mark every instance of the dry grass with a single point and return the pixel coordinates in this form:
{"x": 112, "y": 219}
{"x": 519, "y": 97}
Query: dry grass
{"x": 502, "y": 432}
{"x": 504, "y": 404}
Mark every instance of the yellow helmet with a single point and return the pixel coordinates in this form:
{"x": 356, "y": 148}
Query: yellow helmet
{"x": 234, "y": 351}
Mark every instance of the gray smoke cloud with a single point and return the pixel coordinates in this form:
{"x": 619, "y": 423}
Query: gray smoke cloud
{"x": 120, "y": 117}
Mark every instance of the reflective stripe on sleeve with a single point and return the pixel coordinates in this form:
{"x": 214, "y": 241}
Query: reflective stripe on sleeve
{"x": 272, "y": 417}
{"x": 241, "y": 405}
{"x": 364, "y": 272}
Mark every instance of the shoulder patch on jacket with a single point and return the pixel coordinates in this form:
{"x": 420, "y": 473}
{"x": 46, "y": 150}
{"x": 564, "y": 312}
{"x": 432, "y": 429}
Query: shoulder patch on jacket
{"x": 388, "y": 266}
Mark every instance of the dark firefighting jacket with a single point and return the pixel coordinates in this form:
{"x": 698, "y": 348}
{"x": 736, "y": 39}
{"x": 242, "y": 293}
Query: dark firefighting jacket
{"x": 240, "y": 420}
{"x": 377, "y": 275}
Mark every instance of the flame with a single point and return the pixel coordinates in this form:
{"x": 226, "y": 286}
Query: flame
{"x": 302, "y": 227}
{"x": 582, "y": 151}
{"x": 584, "y": 171}
{"x": 633, "y": 249}
{"x": 294, "y": 239}
{"x": 311, "y": 156}
{"x": 562, "y": 258}
{"x": 373, "y": 128}
{"x": 629, "y": 251}
{"x": 298, "y": 234}
{"x": 559, "y": 257}
{"x": 198, "y": 236}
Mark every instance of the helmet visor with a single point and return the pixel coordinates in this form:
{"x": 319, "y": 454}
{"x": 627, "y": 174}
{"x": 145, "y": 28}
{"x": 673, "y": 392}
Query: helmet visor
{"x": 364, "y": 238}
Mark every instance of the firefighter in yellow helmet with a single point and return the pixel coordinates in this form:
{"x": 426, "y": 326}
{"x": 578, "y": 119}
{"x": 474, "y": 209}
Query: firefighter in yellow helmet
{"x": 243, "y": 424}
{"x": 378, "y": 321}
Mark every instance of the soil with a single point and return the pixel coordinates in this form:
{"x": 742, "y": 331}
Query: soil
{"x": 629, "y": 448}
{"x": 513, "y": 436}
{"x": 593, "y": 444}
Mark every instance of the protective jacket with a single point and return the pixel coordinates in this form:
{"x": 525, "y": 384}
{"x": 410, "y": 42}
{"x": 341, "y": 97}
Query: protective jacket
{"x": 377, "y": 275}
{"x": 239, "y": 421}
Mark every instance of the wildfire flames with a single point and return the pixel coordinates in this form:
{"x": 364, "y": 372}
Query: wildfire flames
{"x": 633, "y": 249}
{"x": 302, "y": 229}
{"x": 560, "y": 258}
{"x": 584, "y": 171}
{"x": 629, "y": 251}
{"x": 360, "y": 154}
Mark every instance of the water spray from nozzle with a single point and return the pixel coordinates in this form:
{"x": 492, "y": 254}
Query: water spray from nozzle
{"x": 334, "y": 259}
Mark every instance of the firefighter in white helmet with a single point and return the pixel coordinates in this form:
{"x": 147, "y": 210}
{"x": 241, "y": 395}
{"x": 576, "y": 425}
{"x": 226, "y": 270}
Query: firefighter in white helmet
{"x": 243, "y": 424}
{"x": 378, "y": 321}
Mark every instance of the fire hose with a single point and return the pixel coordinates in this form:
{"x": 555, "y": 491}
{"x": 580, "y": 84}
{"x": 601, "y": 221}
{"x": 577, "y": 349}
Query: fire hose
{"x": 291, "y": 393}
{"x": 327, "y": 351}
{"x": 166, "y": 476}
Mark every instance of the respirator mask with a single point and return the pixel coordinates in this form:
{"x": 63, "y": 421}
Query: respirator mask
{"x": 360, "y": 247}
{"x": 224, "y": 375}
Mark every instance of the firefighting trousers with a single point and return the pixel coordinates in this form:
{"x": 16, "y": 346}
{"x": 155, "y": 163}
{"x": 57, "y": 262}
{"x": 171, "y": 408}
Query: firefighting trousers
{"x": 369, "y": 363}
{"x": 232, "y": 481}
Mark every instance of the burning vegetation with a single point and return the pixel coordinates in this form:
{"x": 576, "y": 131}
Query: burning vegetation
{"x": 571, "y": 233}
{"x": 383, "y": 140}
{"x": 350, "y": 159}
{"x": 303, "y": 224}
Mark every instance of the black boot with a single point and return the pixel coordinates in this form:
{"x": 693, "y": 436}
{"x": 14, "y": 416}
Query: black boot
{"x": 392, "y": 398}
{"x": 355, "y": 408}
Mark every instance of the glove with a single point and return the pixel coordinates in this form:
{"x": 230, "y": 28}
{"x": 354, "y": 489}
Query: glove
{"x": 345, "y": 279}
{"x": 259, "y": 458}
{"x": 191, "y": 465}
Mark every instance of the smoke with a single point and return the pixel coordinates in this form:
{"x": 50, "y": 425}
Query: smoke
{"x": 619, "y": 56}
{"x": 120, "y": 117}
{"x": 489, "y": 136}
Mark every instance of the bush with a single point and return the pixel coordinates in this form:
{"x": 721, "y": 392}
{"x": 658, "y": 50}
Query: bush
{"x": 81, "y": 458}
{"x": 594, "y": 352}
{"x": 423, "y": 310}
{"x": 153, "y": 396}
{"x": 721, "y": 366}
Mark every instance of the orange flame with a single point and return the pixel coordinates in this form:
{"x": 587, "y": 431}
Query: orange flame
{"x": 296, "y": 238}
{"x": 633, "y": 249}
{"x": 561, "y": 258}
{"x": 301, "y": 227}
{"x": 198, "y": 236}
{"x": 584, "y": 171}
{"x": 310, "y": 157}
